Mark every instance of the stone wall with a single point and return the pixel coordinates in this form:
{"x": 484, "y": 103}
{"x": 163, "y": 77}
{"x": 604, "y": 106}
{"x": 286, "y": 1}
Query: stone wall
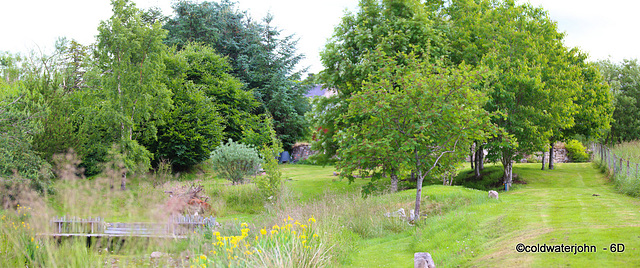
{"x": 560, "y": 155}
{"x": 301, "y": 151}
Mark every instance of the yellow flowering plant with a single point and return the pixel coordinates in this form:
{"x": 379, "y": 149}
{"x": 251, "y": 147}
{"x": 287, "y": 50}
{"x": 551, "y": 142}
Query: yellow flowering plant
{"x": 252, "y": 247}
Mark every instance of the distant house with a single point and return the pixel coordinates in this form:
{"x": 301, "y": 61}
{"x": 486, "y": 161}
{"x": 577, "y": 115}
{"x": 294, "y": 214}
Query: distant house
{"x": 318, "y": 91}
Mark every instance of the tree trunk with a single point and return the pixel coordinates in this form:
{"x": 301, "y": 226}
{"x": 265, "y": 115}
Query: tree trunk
{"x": 508, "y": 170}
{"x": 551, "y": 156}
{"x": 416, "y": 212}
{"x": 543, "y": 158}
{"x": 479, "y": 155}
{"x": 394, "y": 181}
{"x": 124, "y": 181}
{"x": 471, "y": 158}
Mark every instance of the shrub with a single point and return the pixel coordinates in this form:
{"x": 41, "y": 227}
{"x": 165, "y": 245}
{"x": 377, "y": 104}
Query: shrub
{"x": 577, "y": 151}
{"x": 233, "y": 161}
{"x": 269, "y": 184}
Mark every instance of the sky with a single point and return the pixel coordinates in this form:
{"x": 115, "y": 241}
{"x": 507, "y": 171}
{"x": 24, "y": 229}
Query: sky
{"x": 603, "y": 29}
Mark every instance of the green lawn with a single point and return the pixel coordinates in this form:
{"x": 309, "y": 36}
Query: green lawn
{"x": 463, "y": 227}
{"x": 312, "y": 181}
{"x": 555, "y": 207}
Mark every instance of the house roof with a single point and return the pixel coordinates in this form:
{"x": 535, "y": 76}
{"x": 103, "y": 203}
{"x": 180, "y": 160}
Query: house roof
{"x": 318, "y": 90}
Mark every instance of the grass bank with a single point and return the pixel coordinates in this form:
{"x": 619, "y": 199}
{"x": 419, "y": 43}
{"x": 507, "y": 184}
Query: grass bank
{"x": 572, "y": 204}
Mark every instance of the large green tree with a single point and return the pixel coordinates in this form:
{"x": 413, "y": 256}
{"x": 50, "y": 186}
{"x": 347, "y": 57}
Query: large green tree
{"x": 393, "y": 27}
{"x": 130, "y": 52}
{"x": 535, "y": 80}
{"x": 208, "y": 104}
{"x": 260, "y": 57}
{"x": 418, "y": 116}
{"x": 624, "y": 79}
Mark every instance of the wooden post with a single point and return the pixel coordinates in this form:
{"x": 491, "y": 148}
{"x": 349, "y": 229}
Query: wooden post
{"x": 628, "y": 168}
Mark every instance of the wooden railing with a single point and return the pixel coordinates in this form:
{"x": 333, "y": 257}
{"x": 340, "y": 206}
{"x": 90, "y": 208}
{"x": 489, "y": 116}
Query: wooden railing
{"x": 175, "y": 227}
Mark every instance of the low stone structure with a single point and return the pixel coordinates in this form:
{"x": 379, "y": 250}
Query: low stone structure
{"x": 423, "y": 260}
{"x": 301, "y": 151}
{"x": 560, "y": 155}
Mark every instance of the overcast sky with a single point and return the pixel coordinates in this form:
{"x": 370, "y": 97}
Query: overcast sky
{"x": 601, "y": 28}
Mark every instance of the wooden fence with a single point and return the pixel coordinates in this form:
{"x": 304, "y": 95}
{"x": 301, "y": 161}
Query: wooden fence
{"x": 616, "y": 164}
{"x": 175, "y": 227}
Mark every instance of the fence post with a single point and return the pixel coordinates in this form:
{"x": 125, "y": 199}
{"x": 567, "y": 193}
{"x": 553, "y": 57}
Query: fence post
{"x": 628, "y": 172}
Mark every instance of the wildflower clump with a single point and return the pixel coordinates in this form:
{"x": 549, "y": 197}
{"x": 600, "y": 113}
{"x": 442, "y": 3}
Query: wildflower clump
{"x": 291, "y": 244}
{"x": 18, "y": 239}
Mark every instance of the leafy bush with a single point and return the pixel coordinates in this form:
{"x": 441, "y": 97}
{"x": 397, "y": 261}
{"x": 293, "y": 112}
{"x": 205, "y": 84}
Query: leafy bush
{"x": 190, "y": 131}
{"x": 233, "y": 161}
{"x": 577, "y": 151}
{"x": 270, "y": 183}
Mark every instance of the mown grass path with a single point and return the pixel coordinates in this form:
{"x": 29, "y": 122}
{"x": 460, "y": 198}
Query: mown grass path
{"x": 555, "y": 207}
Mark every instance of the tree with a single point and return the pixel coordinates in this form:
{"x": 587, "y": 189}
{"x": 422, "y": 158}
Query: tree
{"x": 393, "y": 27}
{"x": 533, "y": 83}
{"x": 17, "y": 125}
{"x": 624, "y": 79}
{"x": 259, "y": 57}
{"x": 417, "y": 115}
{"x": 207, "y": 101}
{"x": 130, "y": 55}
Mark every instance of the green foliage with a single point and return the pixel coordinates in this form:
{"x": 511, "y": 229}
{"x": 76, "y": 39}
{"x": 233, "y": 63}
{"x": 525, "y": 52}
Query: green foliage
{"x": 541, "y": 91}
{"x": 209, "y": 72}
{"x": 234, "y": 161}
{"x": 259, "y": 57}
{"x": 130, "y": 54}
{"x": 189, "y": 131}
{"x": 270, "y": 184}
{"x": 415, "y": 117}
{"x": 18, "y": 159}
{"x": 396, "y": 28}
{"x": 624, "y": 79}
{"x": 577, "y": 151}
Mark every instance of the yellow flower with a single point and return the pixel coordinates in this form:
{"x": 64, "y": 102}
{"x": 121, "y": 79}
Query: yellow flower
{"x": 294, "y": 232}
{"x": 296, "y": 223}
{"x": 289, "y": 218}
{"x": 304, "y": 241}
{"x": 312, "y": 220}
{"x": 303, "y": 226}
{"x": 263, "y": 231}
{"x": 216, "y": 233}
{"x": 248, "y": 252}
{"x": 244, "y": 224}
{"x": 274, "y": 232}
{"x": 203, "y": 257}
{"x": 315, "y": 235}
{"x": 276, "y": 227}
